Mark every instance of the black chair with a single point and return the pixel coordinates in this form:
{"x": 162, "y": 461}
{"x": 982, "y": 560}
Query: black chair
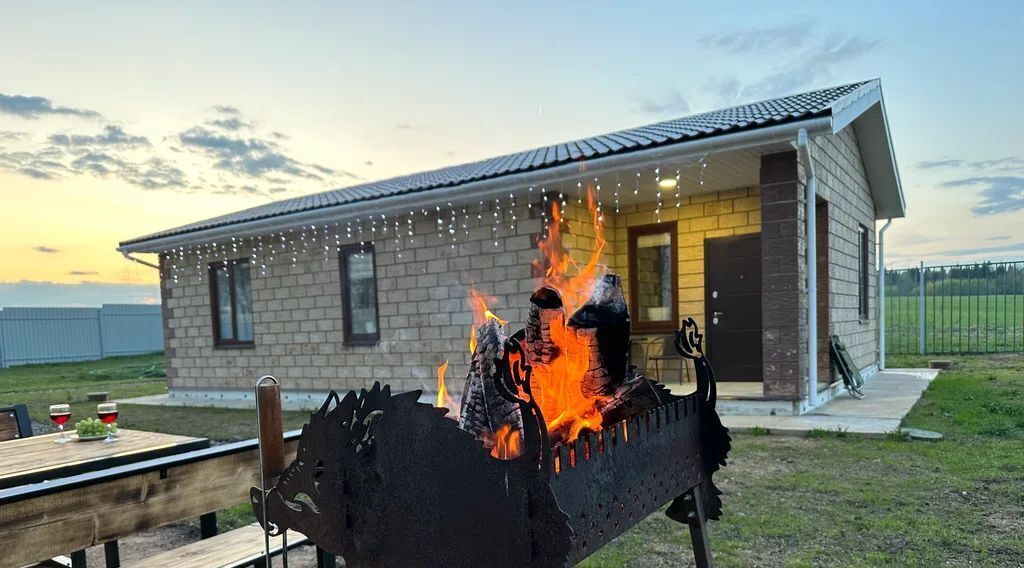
{"x": 665, "y": 352}
{"x": 14, "y": 422}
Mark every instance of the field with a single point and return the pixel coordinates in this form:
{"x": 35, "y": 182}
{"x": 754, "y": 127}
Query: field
{"x": 956, "y": 324}
{"x": 830, "y": 500}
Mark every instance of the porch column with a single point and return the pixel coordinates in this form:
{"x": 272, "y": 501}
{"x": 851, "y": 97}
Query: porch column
{"x": 784, "y": 277}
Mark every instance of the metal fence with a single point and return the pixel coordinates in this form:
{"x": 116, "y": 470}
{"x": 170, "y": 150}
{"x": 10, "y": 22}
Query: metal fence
{"x": 53, "y": 335}
{"x": 957, "y": 308}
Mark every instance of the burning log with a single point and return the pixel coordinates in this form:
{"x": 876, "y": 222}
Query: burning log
{"x": 602, "y": 324}
{"x": 485, "y": 413}
{"x": 545, "y": 309}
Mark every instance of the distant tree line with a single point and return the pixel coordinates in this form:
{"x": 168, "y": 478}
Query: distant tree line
{"x": 965, "y": 280}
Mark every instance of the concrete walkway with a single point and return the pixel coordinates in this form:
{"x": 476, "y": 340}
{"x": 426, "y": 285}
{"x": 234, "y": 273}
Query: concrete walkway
{"x": 888, "y": 397}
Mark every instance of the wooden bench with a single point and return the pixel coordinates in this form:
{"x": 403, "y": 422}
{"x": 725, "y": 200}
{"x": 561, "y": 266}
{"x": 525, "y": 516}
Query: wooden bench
{"x": 44, "y": 520}
{"x": 240, "y": 547}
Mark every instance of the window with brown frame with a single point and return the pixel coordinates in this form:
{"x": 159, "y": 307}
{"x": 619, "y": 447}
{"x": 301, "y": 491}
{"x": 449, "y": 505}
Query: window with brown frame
{"x": 359, "y": 294}
{"x": 231, "y": 301}
{"x": 864, "y": 270}
{"x": 653, "y": 278}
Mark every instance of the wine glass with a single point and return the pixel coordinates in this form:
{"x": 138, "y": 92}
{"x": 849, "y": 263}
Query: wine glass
{"x": 107, "y": 413}
{"x": 60, "y": 414}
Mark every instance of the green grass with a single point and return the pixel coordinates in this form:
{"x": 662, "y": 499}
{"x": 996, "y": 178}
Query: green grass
{"x": 956, "y": 324}
{"x": 39, "y": 386}
{"x": 849, "y": 502}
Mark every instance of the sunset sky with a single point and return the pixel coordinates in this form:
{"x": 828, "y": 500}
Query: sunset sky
{"x": 118, "y": 119}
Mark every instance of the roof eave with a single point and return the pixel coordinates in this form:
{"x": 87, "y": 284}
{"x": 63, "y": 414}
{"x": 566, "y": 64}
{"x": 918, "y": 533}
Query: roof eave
{"x": 864, "y": 108}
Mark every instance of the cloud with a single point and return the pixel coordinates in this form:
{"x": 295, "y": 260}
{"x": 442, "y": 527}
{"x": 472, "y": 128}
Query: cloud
{"x": 28, "y": 293}
{"x": 403, "y": 126}
{"x": 45, "y": 249}
{"x": 36, "y": 107}
{"x": 999, "y": 194}
{"x": 1007, "y": 163}
{"x": 671, "y": 103}
{"x": 111, "y": 136}
{"x": 82, "y": 273}
{"x": 933, "y": 164}
{"x": 812, "y": 68}
{"x": 249, "y": 156}
{"x": 798, "y": 57}
{"x": 998, "y": 238}
{"x": 979, "y": 251}
{"x": 757, "y": 40}
{"x": 12, "y": 135}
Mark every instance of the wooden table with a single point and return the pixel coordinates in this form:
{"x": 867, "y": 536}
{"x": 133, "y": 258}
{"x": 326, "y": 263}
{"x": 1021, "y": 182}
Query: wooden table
{"x": 38, "y": 458}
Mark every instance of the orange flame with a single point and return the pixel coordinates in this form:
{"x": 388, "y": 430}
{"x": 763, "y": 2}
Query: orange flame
{"x": 506, "y": 443}
{"x": 444, "y": 400}
{"x": 557, "y": 386}
{"x": 481, "y": 313}
{"x": 562, "y": 272}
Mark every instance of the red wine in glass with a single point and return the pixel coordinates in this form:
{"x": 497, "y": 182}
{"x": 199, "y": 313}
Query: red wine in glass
{"x": 107, "y": 413}
{"x": 59, "y": 415}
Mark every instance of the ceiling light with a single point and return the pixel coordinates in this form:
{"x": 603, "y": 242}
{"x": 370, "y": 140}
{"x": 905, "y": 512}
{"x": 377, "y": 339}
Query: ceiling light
{"x": 667, "y": 183}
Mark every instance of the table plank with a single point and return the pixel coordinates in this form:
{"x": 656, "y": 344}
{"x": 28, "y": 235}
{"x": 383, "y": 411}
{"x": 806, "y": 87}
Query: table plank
{"x": 38, "y": 458}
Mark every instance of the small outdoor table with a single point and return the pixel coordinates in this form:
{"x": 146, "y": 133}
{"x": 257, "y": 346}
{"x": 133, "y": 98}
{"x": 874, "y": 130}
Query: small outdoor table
{"x": 38, "y": 458}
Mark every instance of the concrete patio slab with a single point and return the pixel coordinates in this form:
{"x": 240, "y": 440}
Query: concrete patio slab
{"x": 888, "y": 397}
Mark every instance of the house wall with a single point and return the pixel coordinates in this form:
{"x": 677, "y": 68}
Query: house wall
{"x": 699, "y": 217}
{"x": 424, "y": 315}
{"x": 842, "y": 183}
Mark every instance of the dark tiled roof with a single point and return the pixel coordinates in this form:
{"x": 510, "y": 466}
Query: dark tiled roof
{"x": 743, "y": 117}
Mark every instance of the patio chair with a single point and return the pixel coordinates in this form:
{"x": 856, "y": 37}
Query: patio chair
{"x": 14, "y": 422}
{"x": 664, "y": 352}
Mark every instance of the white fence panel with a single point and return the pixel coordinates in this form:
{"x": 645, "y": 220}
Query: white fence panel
{"x": 54, "y": 335}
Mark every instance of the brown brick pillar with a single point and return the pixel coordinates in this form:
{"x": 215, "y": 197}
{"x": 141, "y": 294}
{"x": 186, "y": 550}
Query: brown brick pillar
{"x": 784, "y": 276}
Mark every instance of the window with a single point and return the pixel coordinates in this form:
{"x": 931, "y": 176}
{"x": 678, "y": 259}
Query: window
{"x": 231, "y": 299}
{"x": 653, "y": 283}
{"x": 864, "y": 270}
{"x": 359, "y": 295}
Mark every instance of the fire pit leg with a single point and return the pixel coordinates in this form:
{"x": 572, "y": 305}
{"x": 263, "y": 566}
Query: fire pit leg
{"x": 694, "y": 508}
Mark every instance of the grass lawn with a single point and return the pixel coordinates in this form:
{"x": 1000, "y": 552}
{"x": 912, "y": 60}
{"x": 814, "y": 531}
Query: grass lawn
{"x": 845, "y": 501}
{"x": 824, "y": 501}
{"x": 39, "y": 386}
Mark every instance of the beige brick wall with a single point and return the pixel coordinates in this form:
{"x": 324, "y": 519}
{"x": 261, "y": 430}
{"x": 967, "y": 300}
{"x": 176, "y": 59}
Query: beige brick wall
{"x": 699, "y": 217}
{"x": 424, "y": 314}
{"x": 842, "y": 182}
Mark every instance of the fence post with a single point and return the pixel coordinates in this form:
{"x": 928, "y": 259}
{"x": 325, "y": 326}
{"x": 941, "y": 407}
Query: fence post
{"x": 920, "y": 310}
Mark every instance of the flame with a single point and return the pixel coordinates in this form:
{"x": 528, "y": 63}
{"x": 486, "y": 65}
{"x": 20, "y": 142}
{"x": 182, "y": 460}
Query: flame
{"x": 481, "y": 313}
{"x": 444, "y": 400}
{"x": 562, "y": 272}
{"x": 506, "y": 443}
{"x": 557, "y": 386}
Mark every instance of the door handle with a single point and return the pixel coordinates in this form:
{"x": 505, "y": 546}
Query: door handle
{"x": 717, "y": 314}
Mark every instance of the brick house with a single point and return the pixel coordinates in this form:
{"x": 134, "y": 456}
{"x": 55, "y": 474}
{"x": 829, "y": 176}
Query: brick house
{"x": 704, "y": 216}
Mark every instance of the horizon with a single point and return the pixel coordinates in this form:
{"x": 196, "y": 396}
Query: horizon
{"x": 104, "y": 140}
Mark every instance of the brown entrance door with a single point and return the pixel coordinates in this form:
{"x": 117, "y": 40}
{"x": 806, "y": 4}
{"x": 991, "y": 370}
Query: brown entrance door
{"x": 732, "y": 287}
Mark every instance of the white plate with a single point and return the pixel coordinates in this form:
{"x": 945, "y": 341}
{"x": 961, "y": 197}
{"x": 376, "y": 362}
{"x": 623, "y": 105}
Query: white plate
{"x": 78, "y": 438}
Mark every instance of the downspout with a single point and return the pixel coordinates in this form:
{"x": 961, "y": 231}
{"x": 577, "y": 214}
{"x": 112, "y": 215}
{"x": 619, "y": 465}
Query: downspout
{"x": 881, "y": 295}
{"x": 810, "y": 203}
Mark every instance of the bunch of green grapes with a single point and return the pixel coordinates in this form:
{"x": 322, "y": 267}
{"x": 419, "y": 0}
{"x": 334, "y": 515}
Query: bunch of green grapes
{"x": 93, "y": 427}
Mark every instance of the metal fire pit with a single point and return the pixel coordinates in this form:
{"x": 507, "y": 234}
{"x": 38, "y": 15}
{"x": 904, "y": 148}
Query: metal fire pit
{"x": 383, "y": 480}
